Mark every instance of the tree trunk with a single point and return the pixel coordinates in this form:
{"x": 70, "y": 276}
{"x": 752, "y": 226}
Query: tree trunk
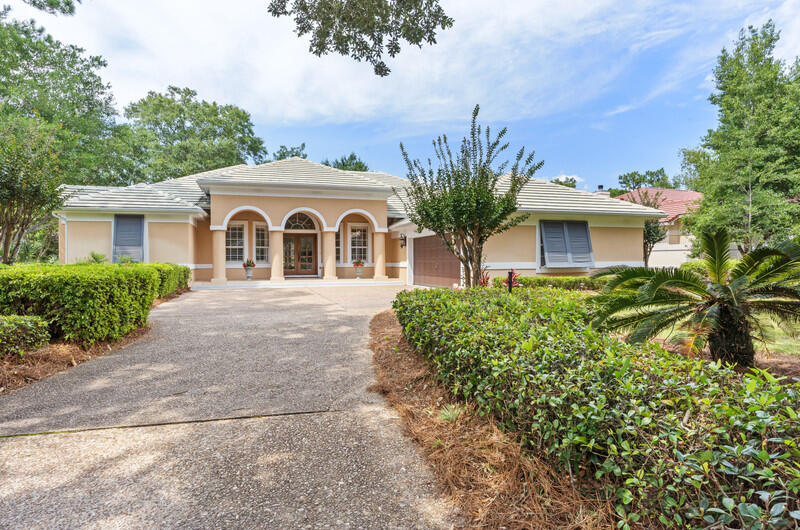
{"x": 731, "y": 341}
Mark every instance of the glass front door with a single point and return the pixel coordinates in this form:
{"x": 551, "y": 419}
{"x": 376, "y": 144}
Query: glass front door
{"x": 299, "y": 254}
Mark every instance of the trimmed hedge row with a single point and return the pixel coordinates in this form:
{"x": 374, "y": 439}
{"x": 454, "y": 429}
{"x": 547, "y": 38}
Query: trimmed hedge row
{"x": 21, "y": 333}
{"x": 580, "y": 283}
{"x": 172, "y": 278}
{"x": 674, "y": 441}
{"x": 87, "y": 303}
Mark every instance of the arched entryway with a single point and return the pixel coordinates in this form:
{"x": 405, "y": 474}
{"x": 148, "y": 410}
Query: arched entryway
{"x": 301, "y": 245}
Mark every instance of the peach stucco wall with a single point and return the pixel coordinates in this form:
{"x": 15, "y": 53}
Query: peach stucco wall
{"x": 517, "y": 244}
{"x": 61, "y": 243}
{"x": 170, "y": 242}
{"x": 86, "y": 237}
{"x": 617, "y": 243}
{"x": 276, "y": 208}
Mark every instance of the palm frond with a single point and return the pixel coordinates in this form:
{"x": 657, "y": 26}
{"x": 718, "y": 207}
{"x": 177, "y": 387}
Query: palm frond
{"x": 716, "y": 254}
{"x": 673, "y": 278}
{"x": 624, "y": 277}
{"x": 774, "y": 291}
{"x": 648, "y": 328}
{"x": 786, "y": 311}
{"x": 754, "y": 260}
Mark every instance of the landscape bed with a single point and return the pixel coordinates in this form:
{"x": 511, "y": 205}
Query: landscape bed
{"x": 670, "y": 440}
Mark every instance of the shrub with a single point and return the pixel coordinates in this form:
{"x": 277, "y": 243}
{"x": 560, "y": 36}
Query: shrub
{"x": 83, "y": 303}
{"x": 579, "y": 283}
{"x": 674, "y": 441}
{"x": 20, "y": 333}
{"x": 172, "y": 278}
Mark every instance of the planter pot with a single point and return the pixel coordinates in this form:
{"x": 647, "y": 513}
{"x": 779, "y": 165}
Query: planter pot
{"x": 358, "y": 273}
{"x": 248, "y": 272}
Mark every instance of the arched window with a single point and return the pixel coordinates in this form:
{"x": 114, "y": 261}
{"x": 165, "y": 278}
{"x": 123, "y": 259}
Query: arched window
{"x": 300, "y": 221}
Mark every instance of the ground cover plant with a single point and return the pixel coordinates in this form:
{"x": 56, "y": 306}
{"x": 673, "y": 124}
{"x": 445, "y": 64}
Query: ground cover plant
{"x": 721, "y": 307}
{"x": 87, "y": 303}
{"x": 20, "y": 333}
{"x": 671, "y": 441}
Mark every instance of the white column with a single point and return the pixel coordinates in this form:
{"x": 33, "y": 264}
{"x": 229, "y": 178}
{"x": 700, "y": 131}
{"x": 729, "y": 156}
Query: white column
{"x": 276, "y": 255}
{"x": 218, "y": 257}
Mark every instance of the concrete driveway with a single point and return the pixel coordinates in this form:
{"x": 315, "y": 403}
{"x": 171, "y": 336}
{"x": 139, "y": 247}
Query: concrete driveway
{"x": 241, "y": 408}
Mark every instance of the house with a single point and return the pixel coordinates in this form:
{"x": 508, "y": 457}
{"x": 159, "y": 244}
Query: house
{"x": 296, "y": 218}
{"x": 674, "y": 249}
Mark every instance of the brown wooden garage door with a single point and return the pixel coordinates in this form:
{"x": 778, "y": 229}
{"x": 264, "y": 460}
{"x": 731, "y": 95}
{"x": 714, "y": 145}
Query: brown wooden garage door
{"x": 434, "y": 265}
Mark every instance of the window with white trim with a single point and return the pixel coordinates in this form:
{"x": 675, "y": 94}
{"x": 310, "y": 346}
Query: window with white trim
{"x": 339, "y": 246}
{"x": 566, "y": 244}
{"x": 261, "y": 243}
{"x": 359, "y": 242}
{"x": 234, "y": 243}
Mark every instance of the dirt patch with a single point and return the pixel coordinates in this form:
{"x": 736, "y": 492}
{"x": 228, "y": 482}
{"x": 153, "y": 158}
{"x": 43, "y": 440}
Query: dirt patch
{"x": 158, "y": 301}
{"x": 481, "y": 469}
{"x": 17, "y": 372}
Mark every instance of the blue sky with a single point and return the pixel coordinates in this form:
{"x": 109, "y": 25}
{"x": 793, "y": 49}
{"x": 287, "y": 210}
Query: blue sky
{"x": 596, "y": 87}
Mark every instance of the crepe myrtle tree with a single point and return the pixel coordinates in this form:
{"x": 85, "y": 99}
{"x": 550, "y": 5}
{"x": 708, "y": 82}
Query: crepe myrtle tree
{"x": 29, "y": 180}
{"x": 653, "y": 229}
{"x": 469, "y": 197}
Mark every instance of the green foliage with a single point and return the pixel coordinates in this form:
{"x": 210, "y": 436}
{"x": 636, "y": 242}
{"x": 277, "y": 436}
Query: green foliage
{"x": 572, "y": 283}
{"x": 570, "y": 182}
{"x": 721, "y": 306}
{"x": 351, "y": 162}
{"x": 670, "y": 440}
{"x": 21, "y": 333}
{"x": 653, "y": 231}
{"x": 88, "y": 303}
{"x": 40, "y": 77}
{"x": 284, "y": 152}
{"x": 30, "y": 176}
{"x": 182, "y": 135}
{"x": 365, "y": 30}
{"x": 468, "y": 199}
{"x": 649, "y": 179}
{"x": 171, "y": 278}
{"x": 748, "y": 168}
{"x": 63, "y": 7}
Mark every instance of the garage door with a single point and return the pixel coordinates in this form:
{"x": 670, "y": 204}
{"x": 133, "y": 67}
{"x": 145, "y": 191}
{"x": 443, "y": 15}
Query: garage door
{"x": 434, "y": 264}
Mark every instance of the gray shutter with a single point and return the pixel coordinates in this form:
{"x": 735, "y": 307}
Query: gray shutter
{"x": 129, "y": 237}
{"x": 555, "y": 243}
{"x": 580, "y": 245}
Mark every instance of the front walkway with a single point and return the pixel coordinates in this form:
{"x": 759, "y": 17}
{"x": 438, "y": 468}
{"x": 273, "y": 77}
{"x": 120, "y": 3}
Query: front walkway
{"x": 294, "y": 283}
{"x": 241, "y": 408}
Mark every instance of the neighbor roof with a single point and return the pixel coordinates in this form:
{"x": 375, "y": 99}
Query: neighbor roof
{"x": 674, "y": 203}
{"x": 542, "y": 196}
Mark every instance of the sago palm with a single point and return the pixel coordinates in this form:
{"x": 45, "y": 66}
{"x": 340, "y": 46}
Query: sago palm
{"x": 721, "y": 309}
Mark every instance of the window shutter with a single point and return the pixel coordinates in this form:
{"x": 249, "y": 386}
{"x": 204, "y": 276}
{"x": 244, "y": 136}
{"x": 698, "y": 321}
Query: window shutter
{"x": 555, "y": 243}
{"x": 129, "y": 237}
{"x": 580, "y": 245}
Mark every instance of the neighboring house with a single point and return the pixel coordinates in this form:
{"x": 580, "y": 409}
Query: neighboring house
{"x": 674, "y": 249}
{"x": 297, "y": 218}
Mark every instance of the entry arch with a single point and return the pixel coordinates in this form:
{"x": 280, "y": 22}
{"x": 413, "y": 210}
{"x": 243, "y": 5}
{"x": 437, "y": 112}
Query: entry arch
{"x": 238, "y": 209}
{"x": 375, "y": 226}
{"x": 305, "y": 209}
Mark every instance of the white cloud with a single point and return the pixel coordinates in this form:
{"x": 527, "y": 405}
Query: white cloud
{"x": 565, "y": 176}
{"x": 521, "y": 59}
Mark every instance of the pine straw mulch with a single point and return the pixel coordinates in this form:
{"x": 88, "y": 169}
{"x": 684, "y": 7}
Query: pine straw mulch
{"x": 17, "y": 372}
{"x": 481, "y": 468}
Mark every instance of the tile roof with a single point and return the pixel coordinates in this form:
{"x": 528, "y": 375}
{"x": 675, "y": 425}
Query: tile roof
{"x": 673, "y": 202}
{"x": 297, "y": 171}
{"x": 139, "y": 197}
{"x": 542, "y": 196}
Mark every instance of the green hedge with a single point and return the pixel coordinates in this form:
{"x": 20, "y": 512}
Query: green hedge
{"x": 563, "y": 282}
{"x": 83, "y": 303}
{"x": 20, "y": 333}
{"x": 674, "y": 441}
{"x": 172, "y": 278}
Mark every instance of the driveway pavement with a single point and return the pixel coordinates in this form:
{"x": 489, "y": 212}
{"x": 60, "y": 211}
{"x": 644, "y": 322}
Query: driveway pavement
{"x": 241, "y": 408}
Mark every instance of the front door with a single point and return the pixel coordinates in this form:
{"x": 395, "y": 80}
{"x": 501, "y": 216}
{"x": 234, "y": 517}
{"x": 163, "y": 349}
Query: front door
{"x": 299, "y": 254}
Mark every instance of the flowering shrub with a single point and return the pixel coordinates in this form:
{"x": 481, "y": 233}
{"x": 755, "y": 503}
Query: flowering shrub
{"x": 248, "y": 263}
{"x": 20, "y": 333}
{"x": 514, "y": 280}
{"x": 358, "y": 263}
{"x": 672, "y": 441}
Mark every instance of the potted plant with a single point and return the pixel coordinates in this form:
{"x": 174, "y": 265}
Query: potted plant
{"x": 249, "y": 265}
{"x": 358, "y": 263}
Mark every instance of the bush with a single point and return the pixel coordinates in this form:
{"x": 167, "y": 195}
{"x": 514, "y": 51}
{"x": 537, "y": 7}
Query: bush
{"x": 172, "y": 278}
{"x": 83, "y": 303}
{"x": 579, "y": 283}
{"x": 673, "y": 441}
{"x": 698, "y": 267}
{"x": 20, "y": 333}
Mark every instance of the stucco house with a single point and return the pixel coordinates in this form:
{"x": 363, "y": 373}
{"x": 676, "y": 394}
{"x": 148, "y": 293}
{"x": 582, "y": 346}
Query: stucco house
{"x": 296, "y": 218}
{"x": 676, "y": 246}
